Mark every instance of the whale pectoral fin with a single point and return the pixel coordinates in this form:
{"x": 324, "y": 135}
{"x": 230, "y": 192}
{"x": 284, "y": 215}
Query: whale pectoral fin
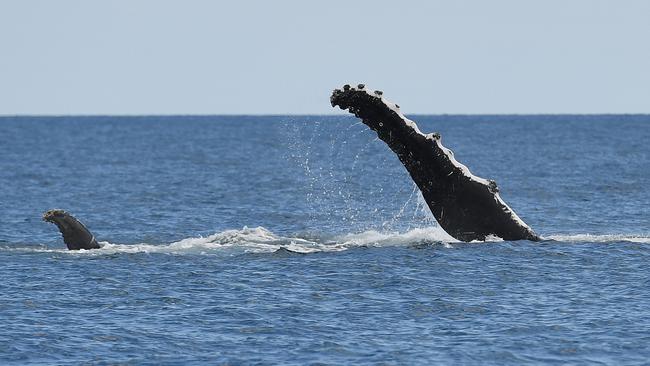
{"x": 466, "y": 206}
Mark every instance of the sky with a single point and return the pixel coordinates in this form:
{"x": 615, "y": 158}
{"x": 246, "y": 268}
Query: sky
{"x": 135, "y": 57}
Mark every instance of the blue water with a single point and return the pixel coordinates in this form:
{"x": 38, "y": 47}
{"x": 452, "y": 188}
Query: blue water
{"x": 191, "y": 213}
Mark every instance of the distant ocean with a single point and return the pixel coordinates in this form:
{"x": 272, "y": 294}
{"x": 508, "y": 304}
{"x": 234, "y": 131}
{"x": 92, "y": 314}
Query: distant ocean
{"x": 194, "y": 212}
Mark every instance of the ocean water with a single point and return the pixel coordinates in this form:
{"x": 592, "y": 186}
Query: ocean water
{"x": 302, "y": 240}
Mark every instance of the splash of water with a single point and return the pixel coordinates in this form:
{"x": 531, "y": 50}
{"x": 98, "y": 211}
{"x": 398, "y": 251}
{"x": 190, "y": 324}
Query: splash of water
{"x": 262, "y": 240}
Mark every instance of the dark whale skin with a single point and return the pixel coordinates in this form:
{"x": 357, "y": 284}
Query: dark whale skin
{"x": 467, "y": 207}
{"x": 75, "y": 235}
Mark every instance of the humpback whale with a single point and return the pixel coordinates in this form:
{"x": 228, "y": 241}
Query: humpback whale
{"x": 466, "y": 206}
{"x": 75, "y": 234}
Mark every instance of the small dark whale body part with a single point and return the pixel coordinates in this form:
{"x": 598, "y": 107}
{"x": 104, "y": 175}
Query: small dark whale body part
{"x": 75, "y": 234}
{"x": 466, "y": 206}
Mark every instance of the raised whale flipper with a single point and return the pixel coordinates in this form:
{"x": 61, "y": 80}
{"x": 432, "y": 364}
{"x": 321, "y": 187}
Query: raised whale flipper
{"x": 466, "y": 206}
{"x": 75, "y": 234}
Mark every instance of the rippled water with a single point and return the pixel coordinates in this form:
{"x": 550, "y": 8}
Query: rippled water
{"x": 296, "y": 240}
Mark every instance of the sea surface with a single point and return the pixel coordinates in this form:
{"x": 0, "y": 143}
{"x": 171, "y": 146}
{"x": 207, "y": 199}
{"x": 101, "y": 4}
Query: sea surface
{"x": 301, "y": 240}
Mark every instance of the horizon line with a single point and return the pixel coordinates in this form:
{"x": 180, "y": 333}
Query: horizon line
{"x": 311, "y": 114}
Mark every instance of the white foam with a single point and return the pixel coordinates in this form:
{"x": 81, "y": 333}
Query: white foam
{"x": 604, "y": 238}
{"x": 382, "y": 239}
{"x": 247, "y": 239}
{"x": 489, "y": 238}
{"x": 261, "y": 240}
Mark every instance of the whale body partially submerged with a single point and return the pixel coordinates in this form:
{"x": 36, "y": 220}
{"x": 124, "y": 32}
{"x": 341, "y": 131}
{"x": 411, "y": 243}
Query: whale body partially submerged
{"x": 466, "y": 206}
{"x": 75, "y": 235}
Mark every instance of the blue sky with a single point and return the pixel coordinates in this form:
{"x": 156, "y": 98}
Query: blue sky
{"x": 285, "y": 57}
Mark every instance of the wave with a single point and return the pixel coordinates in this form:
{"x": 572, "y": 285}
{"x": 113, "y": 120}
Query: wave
{"x": 262, "y": 240}
{"x": 603, "y": 238}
